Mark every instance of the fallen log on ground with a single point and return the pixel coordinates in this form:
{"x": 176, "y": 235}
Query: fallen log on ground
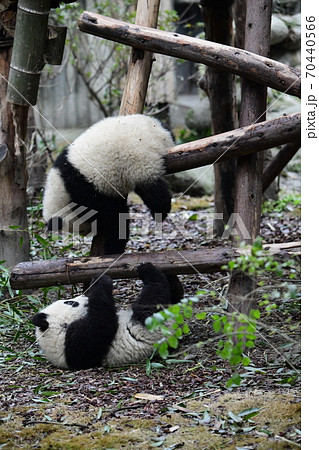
{"x": 223, "y": 57}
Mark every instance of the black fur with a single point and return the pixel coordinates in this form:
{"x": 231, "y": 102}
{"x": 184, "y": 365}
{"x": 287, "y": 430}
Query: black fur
{"x": 82, "y": 192}
{"x": 158, "y": 290}
{"x": 88, "y": 339}
{"x": 156, "y": 197}
{"x": 112, "y": 217}
{"x": 39, "y": 320}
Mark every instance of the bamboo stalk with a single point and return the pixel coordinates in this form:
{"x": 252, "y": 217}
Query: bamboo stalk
{"x": 27, "y": 55}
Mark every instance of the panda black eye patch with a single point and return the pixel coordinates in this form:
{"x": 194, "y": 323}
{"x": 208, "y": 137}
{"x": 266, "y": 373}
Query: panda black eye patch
{"x": 72, "y": 303}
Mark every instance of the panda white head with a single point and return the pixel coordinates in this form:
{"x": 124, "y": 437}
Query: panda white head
{"x": 51, "y": 324}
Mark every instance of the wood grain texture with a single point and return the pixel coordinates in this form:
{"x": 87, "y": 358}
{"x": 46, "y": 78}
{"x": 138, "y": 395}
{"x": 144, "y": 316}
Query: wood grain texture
{"x": 240, "y": 62}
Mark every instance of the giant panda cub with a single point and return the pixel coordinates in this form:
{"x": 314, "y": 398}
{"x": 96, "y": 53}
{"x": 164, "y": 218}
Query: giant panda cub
{"x": 97, "y": 172}
{"x": 87, "y": 331}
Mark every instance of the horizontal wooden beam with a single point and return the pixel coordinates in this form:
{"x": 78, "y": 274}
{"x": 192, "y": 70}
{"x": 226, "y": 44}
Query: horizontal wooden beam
{"x": 233, "y": 144}
{"x": 54, "y": 272}
{"x": 223, "y": 57}
{"x": 35, "y": 274}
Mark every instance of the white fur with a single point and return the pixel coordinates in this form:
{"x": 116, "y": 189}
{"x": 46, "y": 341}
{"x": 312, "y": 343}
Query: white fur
{"x": 55, "y": 195}
{"x": 118, "y": 152}
{"x": 133, "y": 342}
{"x": 60, "y": 315}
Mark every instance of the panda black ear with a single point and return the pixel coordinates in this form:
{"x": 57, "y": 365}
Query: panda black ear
{"x": 40, "y": 320}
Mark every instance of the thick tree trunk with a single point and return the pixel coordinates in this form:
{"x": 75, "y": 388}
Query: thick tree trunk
{"x": 249, "y": 168}
{"x": 219, "y": 87}
{"x": 222, "y": 57}
{"x": 14, "y": 235}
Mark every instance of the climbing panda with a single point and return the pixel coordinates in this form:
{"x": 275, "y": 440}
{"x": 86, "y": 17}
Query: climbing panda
{"x": 88, "y": 331}
{"x": 98, "y": 170}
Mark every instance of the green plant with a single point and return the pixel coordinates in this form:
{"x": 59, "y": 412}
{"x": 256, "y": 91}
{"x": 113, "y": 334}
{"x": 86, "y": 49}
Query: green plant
{"x": 187, "y": 135}
{"x": 256, "y": 261}
{"x": 237, "y": 332}
{"x": 172, "y": 322}
{"x": 285, "y": 203}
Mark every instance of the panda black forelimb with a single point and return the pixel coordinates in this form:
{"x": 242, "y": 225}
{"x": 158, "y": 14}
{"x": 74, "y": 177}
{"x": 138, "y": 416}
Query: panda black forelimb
{"x": 156, "y": 197}
{"x": 88, "y": 339}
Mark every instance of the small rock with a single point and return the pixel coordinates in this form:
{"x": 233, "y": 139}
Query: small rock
{"x": 194, "y": 182}
{"x": 279, "y": 30}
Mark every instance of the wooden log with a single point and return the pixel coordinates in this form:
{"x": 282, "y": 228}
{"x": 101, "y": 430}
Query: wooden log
{"x": 240, "y": 62}
{"x": 219, "y": 87}
{"x": 279, "y": 162}
{"x": 134, "y": 93}
{"x": 249, "y": 168}
{"x": 235, "y": 143}
{"x": 54, "y": 272}
{"x": 253, "y": 106}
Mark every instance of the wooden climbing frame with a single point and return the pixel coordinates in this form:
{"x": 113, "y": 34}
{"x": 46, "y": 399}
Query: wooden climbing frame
{"x": 248, "y": 141}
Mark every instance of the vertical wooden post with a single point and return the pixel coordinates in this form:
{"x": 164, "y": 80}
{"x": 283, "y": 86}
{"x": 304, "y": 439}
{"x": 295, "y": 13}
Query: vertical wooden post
{"x": 14, "y": 236}
{"x": 239, "y": 9}
{"x": 249, "y": 168}
{"x": 136, "y": 85}
{"x": 219, "y": 86}
{"x": 140, "y": 63}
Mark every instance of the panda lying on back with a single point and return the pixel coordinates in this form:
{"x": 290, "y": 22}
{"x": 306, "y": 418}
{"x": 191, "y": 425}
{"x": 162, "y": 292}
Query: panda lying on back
{"x": 112, "y": 158}
{"x": 88, "y": 331}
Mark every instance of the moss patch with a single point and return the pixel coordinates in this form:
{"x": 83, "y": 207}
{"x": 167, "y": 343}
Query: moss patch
{"x": 205, "y": 424}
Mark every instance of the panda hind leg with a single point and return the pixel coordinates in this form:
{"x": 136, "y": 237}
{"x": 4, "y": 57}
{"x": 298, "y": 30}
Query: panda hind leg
{"x": 176, "y": 288}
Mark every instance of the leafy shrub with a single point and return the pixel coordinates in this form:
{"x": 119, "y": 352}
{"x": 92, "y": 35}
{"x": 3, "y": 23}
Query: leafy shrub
{"x": 238, "y": 333}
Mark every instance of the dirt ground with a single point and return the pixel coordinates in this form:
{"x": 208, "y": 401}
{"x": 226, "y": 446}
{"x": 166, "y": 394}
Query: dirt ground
{"x": 183, "y": 402}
